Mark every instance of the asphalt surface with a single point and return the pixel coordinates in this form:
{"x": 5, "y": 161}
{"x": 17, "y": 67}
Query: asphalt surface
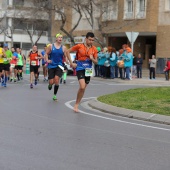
{"x": 37, "y": 133}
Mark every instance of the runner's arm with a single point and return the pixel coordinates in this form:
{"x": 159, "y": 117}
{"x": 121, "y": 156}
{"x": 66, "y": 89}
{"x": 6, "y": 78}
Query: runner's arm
{"x": 94, "y": 60}
{"x": 67, "y": 53}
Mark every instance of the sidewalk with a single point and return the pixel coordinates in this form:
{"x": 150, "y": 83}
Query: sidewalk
{"x": 95, "y": 104}
{"x": 145, "y": 80}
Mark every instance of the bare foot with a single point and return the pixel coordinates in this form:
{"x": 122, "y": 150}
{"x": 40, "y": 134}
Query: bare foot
{"x": 76, "y": 108}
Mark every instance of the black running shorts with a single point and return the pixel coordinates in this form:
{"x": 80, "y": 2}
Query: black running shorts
{"x": 52, "y": 72}
{"x": 81, "y": 75}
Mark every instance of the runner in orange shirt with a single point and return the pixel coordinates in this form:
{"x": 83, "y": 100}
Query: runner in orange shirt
{"x": 86, "y": 54}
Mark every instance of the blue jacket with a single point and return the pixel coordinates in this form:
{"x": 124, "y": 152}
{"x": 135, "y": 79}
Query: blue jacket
{"x": 101, "y": 58}
{"x": 113, "y": 59}
{"x": 128, "y": 60}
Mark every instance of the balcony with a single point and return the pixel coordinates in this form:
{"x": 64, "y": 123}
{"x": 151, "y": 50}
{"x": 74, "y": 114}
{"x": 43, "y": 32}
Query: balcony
{"x": 26, "y": 11}
{"x": 128, "y": 15}
{"x": 21, "y": 31}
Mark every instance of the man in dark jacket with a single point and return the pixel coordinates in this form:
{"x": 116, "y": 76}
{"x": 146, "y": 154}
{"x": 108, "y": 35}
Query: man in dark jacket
{"x": 139, "y": 62}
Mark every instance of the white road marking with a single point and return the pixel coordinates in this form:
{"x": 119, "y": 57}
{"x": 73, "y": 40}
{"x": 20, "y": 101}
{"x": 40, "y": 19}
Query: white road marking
{"x": 116, "y": 120}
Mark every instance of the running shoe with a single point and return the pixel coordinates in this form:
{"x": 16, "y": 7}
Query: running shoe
{"x": 64, "y": 81}
{"x": 61, "y": 80}
{"x": 31, "y": 86}
{"x": 11, "y": 79}
{"x": 35, "y": 82}
{"x": 4, "y": 84}
{"x": 15, "y": 80}
{"x": 50, "y": 87}
{"x": 54, "y": 98}
{"x": 44, "y": 79}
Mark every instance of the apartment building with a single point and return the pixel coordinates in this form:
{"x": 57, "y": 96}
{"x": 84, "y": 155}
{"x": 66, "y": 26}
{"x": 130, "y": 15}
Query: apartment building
{"x": 121, "y": 16}
{"x": 24, "y": 23}
{"x": 150, "y": 18}
{"x": 163, "y": 33}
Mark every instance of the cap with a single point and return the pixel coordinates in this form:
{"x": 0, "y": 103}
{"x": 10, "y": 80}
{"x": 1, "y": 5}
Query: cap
{"x": 98, "y": 49}
{"x": 5, "y": 45}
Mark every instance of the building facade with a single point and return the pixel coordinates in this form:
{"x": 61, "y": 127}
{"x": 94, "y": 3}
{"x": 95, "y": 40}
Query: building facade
{"x": 121, "y": 16}
{"x": 111, "y": 20}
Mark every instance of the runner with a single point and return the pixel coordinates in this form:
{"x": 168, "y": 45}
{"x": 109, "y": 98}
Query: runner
{"x": 34, "y": 56}
{"x": 7, "y": 63}
{"x": 86, "y": 54}
{"x": 13, "y": 63}
{"x": 64, "y": 76}
{"x": 54, "y": 56}
{"x": 24, "y": 62}
{"x": 2, "y": 55}
{"x": 19, "y": 65}
{"x": 44, "y": 64}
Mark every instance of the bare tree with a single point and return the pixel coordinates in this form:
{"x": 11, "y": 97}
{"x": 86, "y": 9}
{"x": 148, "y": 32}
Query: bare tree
{"x": 61, "y": 7}
{"x": 94, "y": 11}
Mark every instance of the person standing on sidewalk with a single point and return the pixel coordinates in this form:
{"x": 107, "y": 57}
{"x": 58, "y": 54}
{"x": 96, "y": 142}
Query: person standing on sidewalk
{"x": 87, "y": 53}
{"x": 128, "y": 62}
{"x": 166, "y": 69}
{"x": 152, "y": 63}
{"x": 139, "y": 62}
{"x": 54, "y": 57}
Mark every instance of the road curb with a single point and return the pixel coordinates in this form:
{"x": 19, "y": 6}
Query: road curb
{"x": 151, "y": 117}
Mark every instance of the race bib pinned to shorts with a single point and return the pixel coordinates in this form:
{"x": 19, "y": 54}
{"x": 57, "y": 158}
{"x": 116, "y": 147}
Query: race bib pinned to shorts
{"x": 88, "y": 72}
{"x": 33, "y": 63}
{"x": 12, "y": 65}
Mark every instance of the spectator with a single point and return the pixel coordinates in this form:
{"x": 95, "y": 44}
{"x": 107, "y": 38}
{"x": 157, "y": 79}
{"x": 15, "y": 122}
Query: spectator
{"x": 139, "y": 62}
{"x": 152, "y": 63}
{"x": 134, "y": 66}
{"x": 166, "y": 69}
{"x": 112, "y": 60}
{"x": 96, "y": 66}
{"x": 120, "y": 59}
{"x": 128, "y": 61}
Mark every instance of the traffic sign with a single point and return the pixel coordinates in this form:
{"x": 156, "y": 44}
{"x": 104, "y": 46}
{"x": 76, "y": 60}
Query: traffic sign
{"x": 132, "y": 36}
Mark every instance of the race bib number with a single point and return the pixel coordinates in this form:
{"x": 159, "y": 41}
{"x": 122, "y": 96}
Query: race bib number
{"x": 5, "y": 59}
{"x": 12, "y": 65}
{"x": 88, "y": 72}
{"x": 33, "y": 63}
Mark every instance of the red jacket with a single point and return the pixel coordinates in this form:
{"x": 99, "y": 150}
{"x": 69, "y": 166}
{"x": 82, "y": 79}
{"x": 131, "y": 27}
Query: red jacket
{"x": 168, "y": 65}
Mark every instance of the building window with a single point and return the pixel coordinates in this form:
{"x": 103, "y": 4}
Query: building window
{"x": 167, "y": 5}
{"x": 128, "y": 8}
{"x": 110, "y": 10}
{"x": 140, "y": 11}
{"x": 18, "y": 2}
{"x": 141, "y": 5}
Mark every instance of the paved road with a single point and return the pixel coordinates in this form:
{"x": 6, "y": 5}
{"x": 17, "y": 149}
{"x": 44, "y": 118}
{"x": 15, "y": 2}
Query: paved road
{"x": 37, "y": 133}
